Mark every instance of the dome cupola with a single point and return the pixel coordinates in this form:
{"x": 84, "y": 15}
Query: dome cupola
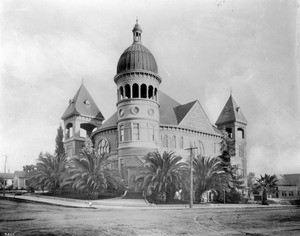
{"x": 137, "y": 57}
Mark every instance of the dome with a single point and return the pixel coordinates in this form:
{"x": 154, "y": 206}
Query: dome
{"x": 137, "y": 57}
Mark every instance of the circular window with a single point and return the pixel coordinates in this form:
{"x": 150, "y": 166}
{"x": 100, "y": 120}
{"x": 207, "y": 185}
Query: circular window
{"x": 135, "y": 110}
{"x": 151, "y": 112}
{"x": 121, "y": 112}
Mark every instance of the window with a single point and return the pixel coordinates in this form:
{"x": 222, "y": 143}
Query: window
{"x": 200, "y": 148}
{"x": 135, "y": 91}
{"x": 121, "y": 133}
{"x": 150, "y": 92}
{"x": 181, "y": 142}
{"x": 155, "y": 94}
{"x": 115, "y": 164}
{"x": 165, "y": 141}
{"x": 127, "y": 91}
{"x": 284, "y": 193}
{"x": 173, "y": 142}
{"x": 291, "y": 193}
{"x": 103, "y": 147}
{"x": 143, "y": 91}
{"x": 135, "y": 131}
{"x": 122, "y": 93}
{"x": 69, "y": 130}
{"x": 241, "y": 133}
{"x": 151, "y": 132}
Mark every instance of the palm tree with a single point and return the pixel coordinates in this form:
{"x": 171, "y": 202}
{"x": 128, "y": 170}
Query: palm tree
{"x": 209, "y": 175}
{"x": 91, "y": 174}
{"x": 50, "y": 172}
{"x": 266, "y": 184}
{"x": 161, "y": 175}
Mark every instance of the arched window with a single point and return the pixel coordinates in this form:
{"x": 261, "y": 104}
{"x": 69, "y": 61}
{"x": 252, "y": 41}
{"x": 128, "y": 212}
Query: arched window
{"x": 155, "y": 94}
{"x": 181, "y": 142}
{"x": 241, "y": 133}
{"x": 199, "y": 148}
{"x": 165, "y": 141}
{"x": 135, "y": 91}
{"x": 127, "y": 91}
{"x": 150, "y": 92}
{"x": 143, "y": 91}
{"x": 121, "y": 133}
{"x": 69, "y": 130}
{"x": 121, "y": 93}
{"x": 103, "y": 146}
{"x": 173, "y": 142}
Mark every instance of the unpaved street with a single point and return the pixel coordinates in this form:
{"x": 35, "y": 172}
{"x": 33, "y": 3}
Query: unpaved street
{"x": 18, "y": 218}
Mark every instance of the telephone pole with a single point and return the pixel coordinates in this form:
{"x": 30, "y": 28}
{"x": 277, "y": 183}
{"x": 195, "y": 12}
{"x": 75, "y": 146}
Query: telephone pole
{"x": 191, "y": 180}
{"x": 4, "y": 185}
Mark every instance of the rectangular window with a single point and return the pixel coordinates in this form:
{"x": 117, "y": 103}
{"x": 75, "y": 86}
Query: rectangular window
{"x": 135, "y": 131}
{"x": 291, "y": 193}
{"x": 284, "y": 193}
{"x": 121, "y": 133}
{"x": 151, "y": 132}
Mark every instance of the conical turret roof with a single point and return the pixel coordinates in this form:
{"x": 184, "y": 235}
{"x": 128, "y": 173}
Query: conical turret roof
{"x": 231, "y": 113}
{"x": 83, "y": 104}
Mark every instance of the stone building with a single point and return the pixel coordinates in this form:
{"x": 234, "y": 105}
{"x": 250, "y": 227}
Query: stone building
{"x": 147, "y": 119}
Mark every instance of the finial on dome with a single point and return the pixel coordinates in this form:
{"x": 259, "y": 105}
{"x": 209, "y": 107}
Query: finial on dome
{"x": 137, "y": 32}
{"x": 137, "y": 21}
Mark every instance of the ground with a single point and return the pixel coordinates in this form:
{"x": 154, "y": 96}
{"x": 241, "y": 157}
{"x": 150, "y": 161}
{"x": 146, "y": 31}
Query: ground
{"x": 20, "y": 218}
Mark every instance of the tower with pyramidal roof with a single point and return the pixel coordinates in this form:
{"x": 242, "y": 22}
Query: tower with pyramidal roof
{"x": 81, "y": 117}
{"x": 234, "y": 122}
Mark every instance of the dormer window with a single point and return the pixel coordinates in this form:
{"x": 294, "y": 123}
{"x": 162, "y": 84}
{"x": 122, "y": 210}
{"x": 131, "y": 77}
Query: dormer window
{"x": 87, "y": 103}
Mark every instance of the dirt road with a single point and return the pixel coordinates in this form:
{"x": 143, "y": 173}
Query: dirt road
{"x": 37, "y": 219}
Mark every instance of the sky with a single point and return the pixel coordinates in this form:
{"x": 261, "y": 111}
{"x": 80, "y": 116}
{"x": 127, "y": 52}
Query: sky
{"x": 204, "y": 50}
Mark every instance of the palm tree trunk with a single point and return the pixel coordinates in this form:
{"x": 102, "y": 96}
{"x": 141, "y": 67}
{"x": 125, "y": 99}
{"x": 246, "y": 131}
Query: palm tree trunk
{"x": 264, "y": 197}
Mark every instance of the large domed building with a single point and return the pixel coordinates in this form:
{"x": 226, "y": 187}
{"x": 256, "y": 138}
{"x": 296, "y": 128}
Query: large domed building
{"x": 146, "y": 119}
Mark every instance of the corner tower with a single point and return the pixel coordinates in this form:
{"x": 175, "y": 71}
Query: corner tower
{"x": 137, "y": 83}
{"x": 234, "y": 122}
{"x": 81, "y": 117}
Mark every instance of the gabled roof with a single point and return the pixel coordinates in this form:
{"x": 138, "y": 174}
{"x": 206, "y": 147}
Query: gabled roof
{"x": 231, "y": 113}
{"x": 195, "y": 117}
{"x": 83, "y": 104}
{"x": 7, "y": 175}
{"x": 21, "y": 174}
{"x": 167, "y": 115}
{"x": 182, "y": 110}
{"x": 112, "y": 121}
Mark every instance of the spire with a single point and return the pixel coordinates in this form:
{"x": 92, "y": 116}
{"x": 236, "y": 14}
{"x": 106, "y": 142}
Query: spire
{"x": 83, "y": 104}
{"x": 231, "y": 113}
{"x": 137, "y": 32}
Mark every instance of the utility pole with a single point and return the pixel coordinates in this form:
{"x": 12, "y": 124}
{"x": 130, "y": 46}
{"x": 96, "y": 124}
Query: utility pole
{"x": 191, "y": 181}
{"x": 4, "y": 174}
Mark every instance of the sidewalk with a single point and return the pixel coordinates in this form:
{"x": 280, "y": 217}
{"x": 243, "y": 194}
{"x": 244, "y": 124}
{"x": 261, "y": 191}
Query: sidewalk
{"x": 124, "y": 203}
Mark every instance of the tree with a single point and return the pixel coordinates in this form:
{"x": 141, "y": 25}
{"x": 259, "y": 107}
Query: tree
{"x": 209, "y": 175}
{"x": 29, "y": 168}
{"x": 161, "y": 175}
{"x": 266, "y": 184}
{"x": 92, "y": 174}
{"x": 50, "y": 172}
{"x": 59, "y": 147}
{"x": 227, "y": 151}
